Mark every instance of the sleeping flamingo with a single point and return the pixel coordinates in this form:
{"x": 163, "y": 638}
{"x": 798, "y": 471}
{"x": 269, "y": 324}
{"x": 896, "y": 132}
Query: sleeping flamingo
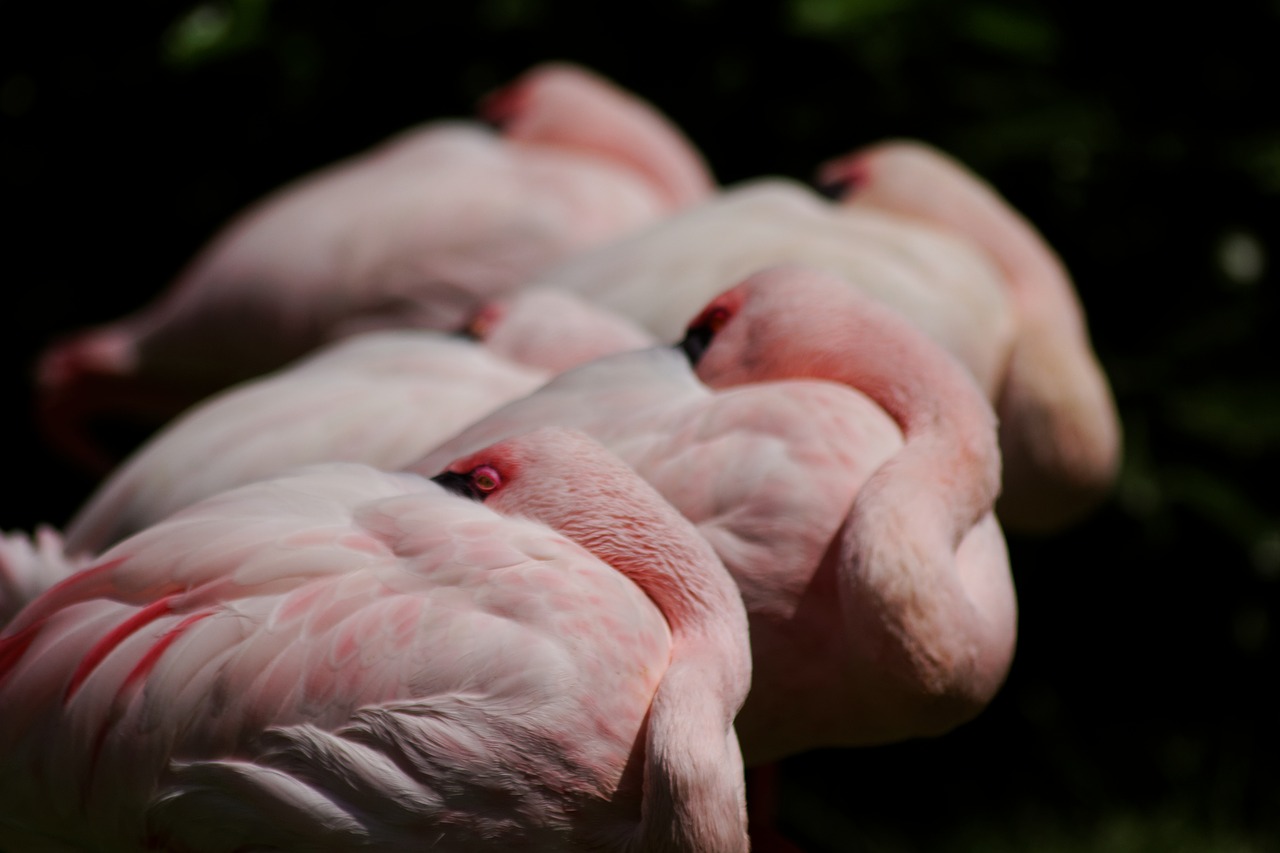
{"x": 844, "y": 467}
{"x": 532, "y": 652}
{"x": 921, "y": 233}
{"x": 417, "y": 232}
{"x": 381, "y": 398}
{"x": 1059, "y": 431}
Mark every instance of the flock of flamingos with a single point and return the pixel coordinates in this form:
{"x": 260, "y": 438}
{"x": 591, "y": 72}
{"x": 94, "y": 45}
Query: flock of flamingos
{"x": 519, "y": 488}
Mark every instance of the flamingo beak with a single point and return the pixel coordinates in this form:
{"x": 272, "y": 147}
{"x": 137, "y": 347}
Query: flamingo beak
{"x": 459, "y": 484}
{"x": 695, "y": 343}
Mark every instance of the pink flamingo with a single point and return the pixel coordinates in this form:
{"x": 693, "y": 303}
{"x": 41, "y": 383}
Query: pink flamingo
{"x": 381, "y": 398}
{"x": 1059, "y": 431}
{"x": 845, "y": 469}
{"x": 920, "y": 233}
{"x": 532, "y": 652}
{"x": 417, "y": 232}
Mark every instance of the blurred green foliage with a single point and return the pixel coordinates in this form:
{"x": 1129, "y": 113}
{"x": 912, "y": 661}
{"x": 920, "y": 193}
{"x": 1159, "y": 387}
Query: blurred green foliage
{"x": 212, "y": 31}
{"x": 1140, "y": 714}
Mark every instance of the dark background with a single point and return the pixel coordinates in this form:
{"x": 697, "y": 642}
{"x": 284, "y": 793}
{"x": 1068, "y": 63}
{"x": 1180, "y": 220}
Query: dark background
{"x": 1140, "y": 713}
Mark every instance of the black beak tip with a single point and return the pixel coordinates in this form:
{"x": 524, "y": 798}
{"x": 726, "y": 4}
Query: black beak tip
{"x": 834, "y": 190}
{"x": 458, "y": 484}
{"x": 695, "y": 343}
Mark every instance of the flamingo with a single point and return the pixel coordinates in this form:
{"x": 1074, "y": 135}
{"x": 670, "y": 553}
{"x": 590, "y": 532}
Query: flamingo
{"x": 530, "y": 650}
{"x": 845, "y": 469}
{"x": 921, "y": 233}
{"x": 380, "y": 398}
{"x": 419, "y": 231}
{"x": 1059, "y": 431}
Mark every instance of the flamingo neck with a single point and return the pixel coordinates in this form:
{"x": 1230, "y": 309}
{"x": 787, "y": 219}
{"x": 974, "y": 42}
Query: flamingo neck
{"x": 672, "y": 572}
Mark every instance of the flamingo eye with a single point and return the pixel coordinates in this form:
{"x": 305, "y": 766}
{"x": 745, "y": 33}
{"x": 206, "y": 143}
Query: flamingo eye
{"x": 486, "y": 479}
{"x": 481, "y": 325}
{"x": 716, "y": 318}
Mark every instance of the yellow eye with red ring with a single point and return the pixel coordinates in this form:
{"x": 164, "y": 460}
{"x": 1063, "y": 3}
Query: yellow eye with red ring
{"x": 485, "y": 479}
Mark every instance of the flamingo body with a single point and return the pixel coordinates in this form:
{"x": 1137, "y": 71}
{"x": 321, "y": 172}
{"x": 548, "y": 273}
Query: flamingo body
{"x": 420, "y": 231}
{"x": 344, "y": 658}
{"x": 663, "y": 275}
{"x": 917, "y": 231}
{"x": 1060, "y": 433}
{"x": 769, "y": 449}
{"x": 381, "y": 398}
